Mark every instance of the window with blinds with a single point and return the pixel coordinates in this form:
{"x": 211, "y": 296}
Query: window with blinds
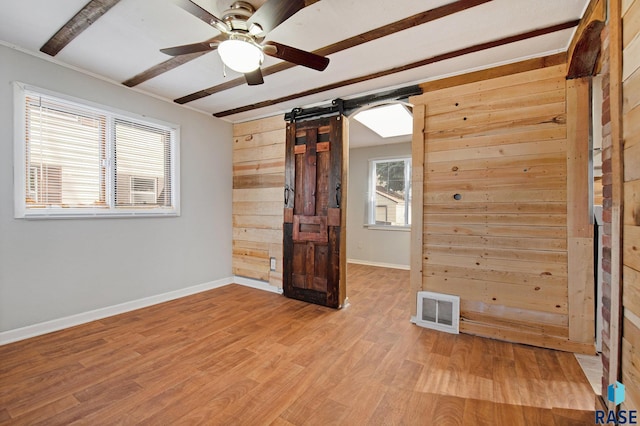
{"x": 76, "y": 159}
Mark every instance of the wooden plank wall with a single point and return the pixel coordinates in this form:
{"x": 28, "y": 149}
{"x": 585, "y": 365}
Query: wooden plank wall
{"x": 631, "y": 217}
{"x": 504, "y": 148}
{"x": 258, "y": 182}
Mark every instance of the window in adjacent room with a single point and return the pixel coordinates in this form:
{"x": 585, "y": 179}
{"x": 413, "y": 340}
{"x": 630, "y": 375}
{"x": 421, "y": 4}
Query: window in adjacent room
{"x": 389, "y": 192}
{"x": 73, "y": 158}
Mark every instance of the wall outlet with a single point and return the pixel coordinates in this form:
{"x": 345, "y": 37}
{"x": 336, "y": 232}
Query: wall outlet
{"x": 273, "y": 263}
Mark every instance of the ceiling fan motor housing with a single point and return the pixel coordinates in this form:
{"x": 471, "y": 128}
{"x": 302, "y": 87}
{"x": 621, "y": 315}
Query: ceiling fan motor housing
{"x": 236, "y": 16}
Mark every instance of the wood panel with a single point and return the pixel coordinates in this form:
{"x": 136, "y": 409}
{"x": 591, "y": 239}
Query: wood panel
{"x": 580, "y": 241}
{"x": 630, "y": 345}
{"x": 465, "y": 88}
{"x": 258, "y": 182}
{"x": 530, "y": 92}
{"x": 631, "y": 289}
{"x": 631, "y": 362}
{"x": 616, "y": 196}
{"x": 418, "y": 181}
{"x": 498, "y": 203}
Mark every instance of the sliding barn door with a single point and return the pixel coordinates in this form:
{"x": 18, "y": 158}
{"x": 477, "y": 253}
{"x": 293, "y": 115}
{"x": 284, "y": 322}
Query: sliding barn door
{"x": 314, "y": 215}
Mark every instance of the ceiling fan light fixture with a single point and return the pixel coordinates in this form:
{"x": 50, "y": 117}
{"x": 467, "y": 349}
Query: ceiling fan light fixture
{"x": 240, "y": 55}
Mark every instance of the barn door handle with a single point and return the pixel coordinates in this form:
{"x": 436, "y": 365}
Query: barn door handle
{"x": 286, "y": 195}
{"x": 338, "y": 195}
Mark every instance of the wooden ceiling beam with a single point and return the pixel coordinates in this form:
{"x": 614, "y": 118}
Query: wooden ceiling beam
{"x": 82, "y": 20}
{"x": 165, "y": 66}
{"x": 385, "y": 30}
{"x": 450, "y": 55}
{"x": 584, "y": 49}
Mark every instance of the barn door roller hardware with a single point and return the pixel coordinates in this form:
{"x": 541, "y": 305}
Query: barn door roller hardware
{"x": 347, "y": 106}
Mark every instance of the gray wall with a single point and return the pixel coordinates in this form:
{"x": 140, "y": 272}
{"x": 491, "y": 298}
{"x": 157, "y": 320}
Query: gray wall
{"x": 372, "y": 245}
{"x": 54, "y": 268}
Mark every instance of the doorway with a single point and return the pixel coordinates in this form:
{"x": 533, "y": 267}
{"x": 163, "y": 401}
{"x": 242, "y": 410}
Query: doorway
{"x": 379, "y": 211}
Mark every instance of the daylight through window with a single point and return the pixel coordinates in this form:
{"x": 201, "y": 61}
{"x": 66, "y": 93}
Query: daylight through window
{"x": 390, "y": 192}
{"x": 79, "y": 160}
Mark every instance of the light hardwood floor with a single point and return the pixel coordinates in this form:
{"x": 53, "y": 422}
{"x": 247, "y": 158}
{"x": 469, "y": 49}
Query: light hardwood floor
{"x": 237, "y": 355}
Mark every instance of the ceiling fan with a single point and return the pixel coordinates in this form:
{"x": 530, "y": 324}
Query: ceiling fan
{"x": 242, "y": 32}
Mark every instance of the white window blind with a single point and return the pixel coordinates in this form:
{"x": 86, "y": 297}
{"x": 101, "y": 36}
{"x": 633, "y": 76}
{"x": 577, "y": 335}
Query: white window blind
{"x": 79, "y": 160}
{"x": 65, "y": 149}
{"x": 142, "y": 165}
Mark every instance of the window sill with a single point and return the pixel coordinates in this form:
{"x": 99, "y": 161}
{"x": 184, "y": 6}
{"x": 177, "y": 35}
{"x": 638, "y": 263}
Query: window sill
{"x": 388, "y": 228}
{"x": 95, "y": 214}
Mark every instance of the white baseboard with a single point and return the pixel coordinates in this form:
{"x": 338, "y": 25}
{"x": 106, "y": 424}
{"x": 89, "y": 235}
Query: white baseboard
{"x": 379, "y": 264}
{"x": 84, "y": 317}
{"x": 260, "y": 285}
{"x": 34, "y": 330}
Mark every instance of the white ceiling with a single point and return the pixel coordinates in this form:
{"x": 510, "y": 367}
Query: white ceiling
{"x": 126, "y": 41}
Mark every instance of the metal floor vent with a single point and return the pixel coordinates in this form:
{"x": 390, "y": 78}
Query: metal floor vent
{"x": 438, "y": 311}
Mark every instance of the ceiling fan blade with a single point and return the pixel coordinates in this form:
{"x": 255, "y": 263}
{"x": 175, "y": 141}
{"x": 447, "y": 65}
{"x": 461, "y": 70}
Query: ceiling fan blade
{"x": 185, "y": 49}
{"x": 254, "y": 78}
{"x": 296, "y": 56}
{"x": 203, "y": 15}
{"x": 275, "y": 12}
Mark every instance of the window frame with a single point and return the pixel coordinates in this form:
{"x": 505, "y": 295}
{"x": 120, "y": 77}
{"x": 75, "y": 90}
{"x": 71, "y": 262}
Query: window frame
{"x": 370, "y": 210}
{"x": 21, "y": 209}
